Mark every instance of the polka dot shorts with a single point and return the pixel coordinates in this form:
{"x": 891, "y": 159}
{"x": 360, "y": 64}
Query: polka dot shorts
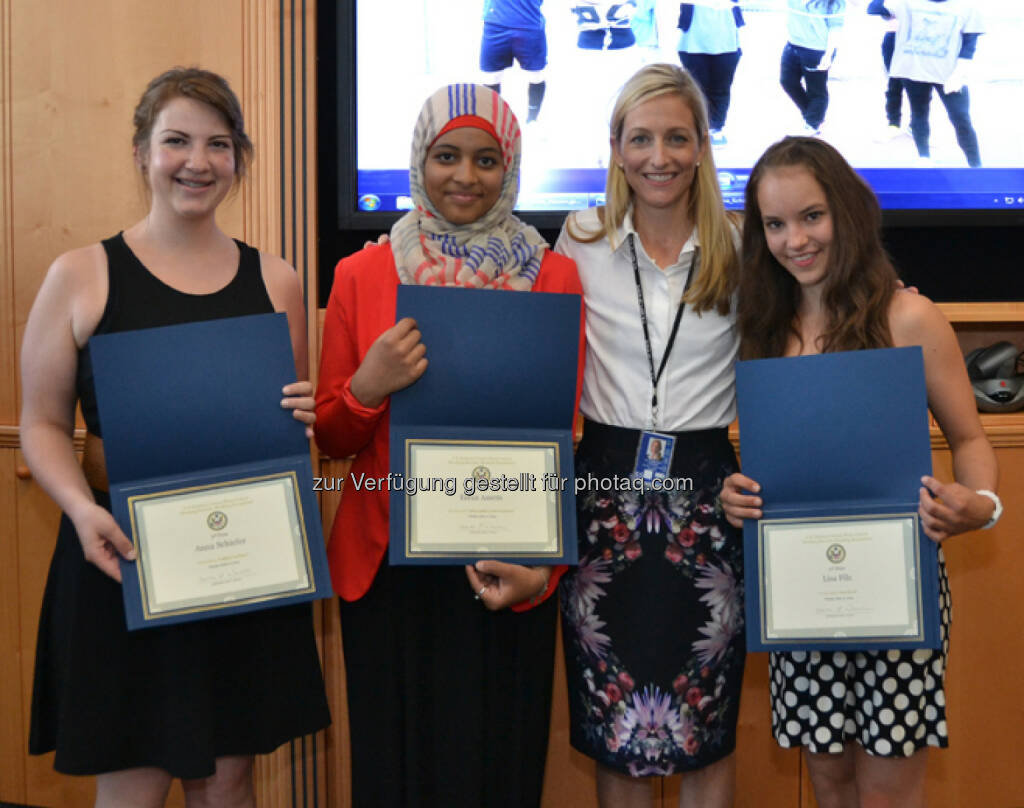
{"x": 891, "y": 702}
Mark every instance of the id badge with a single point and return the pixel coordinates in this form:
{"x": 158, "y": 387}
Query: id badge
{"x": 654, "y": 456}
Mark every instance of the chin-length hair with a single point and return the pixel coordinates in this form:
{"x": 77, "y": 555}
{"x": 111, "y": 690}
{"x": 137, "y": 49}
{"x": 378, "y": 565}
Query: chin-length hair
{"x": 715, "y": 283}
{"x": 860, "y": 279}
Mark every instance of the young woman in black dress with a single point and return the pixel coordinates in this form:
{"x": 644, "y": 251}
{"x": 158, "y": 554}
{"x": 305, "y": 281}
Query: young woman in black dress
{"x": 196, "y": 700}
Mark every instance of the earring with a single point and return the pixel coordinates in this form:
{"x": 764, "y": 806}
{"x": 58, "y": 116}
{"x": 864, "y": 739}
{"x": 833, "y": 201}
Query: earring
{"x": 698, "y": 164}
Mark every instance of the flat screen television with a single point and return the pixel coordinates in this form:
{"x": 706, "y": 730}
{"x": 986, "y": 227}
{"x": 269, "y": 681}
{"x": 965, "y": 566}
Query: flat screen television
{"x": 379, "y": 59}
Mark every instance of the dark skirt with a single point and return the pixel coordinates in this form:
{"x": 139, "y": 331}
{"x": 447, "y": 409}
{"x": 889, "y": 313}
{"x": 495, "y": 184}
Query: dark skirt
{"x": 653, "y": 616}
{"x": 449, "y": 703}
{"x": 174, "y": 697}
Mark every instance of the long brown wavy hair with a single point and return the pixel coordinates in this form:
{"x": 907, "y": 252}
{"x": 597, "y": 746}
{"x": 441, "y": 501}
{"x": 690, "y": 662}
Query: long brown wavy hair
{"x": 860, "y": 279}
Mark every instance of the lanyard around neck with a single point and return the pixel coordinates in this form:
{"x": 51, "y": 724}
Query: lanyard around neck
{"x": 656, "y": 376}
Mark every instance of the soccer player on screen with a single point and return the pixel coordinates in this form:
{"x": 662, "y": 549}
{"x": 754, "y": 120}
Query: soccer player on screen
{"x": 935, "y": 45}
{"x": 645, "y": 30}
{"x": 894, "y": 86}
{"x": 514, "y": 31}
{"x": 812, "y": 26}
{"x": 606, "y": 54}
{"x": 709, "y": 48}
{"x": 605, "y": 25}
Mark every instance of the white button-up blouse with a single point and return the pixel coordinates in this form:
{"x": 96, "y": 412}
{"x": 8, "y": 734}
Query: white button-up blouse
{"x": 697, "y": 388}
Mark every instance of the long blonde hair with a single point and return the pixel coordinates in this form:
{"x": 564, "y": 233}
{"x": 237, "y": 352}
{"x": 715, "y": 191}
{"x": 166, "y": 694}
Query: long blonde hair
{"x": 716, "y": 281}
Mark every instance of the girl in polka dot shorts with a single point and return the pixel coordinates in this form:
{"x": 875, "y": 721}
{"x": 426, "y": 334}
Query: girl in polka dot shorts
{"x": 815, "y": 279}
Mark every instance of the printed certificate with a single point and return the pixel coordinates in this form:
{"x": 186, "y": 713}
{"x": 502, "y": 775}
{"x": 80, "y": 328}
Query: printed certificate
{"x": 210, "y": 547}
{"x": 210, "y": 477}
{"x": 489, "y": 499}
{"x": 839, "y": 560}
{"x": 840, "y": 578}
{"x": 480, "y": 455}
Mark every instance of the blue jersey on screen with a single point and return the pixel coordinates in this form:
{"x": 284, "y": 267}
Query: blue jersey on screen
{"x": 605, "y": 24}
{"x": 514, "y": 13}
{"x": 595, "y": 15}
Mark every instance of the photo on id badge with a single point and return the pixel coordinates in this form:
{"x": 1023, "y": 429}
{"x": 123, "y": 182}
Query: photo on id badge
{"x": 654, "y": 456}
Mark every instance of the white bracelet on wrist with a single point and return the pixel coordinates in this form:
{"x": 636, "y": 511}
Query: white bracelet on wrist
{"x": 992, "y": 495}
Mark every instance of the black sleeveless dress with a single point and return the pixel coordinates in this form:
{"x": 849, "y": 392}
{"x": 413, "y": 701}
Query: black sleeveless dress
{"x": 175, "y": 697}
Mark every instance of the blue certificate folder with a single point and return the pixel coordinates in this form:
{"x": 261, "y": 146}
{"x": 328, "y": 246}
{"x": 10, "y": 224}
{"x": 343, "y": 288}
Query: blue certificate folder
{"x": 502, "y": 368}
{"x": 837, "y": 435}
{"x": 189, "y": 406}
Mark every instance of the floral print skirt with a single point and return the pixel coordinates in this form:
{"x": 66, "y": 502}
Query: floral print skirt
{"x": 653, "y": 615}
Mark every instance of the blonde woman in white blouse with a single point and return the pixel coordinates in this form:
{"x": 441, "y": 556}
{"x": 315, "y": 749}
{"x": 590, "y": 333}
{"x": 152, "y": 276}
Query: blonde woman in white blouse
{"x": 653, "y": 615}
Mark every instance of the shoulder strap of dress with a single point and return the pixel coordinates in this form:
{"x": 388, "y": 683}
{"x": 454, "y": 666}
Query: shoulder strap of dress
{"x": 117, "y": 251}
{"x": 249, "y": 281}
{"x": 119, "y": 258}
{"x": 250, "y": 258}
{"x": 250, "y": 274}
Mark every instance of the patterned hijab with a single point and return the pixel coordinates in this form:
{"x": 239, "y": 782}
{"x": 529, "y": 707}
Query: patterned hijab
{"x": 497, "y": 251}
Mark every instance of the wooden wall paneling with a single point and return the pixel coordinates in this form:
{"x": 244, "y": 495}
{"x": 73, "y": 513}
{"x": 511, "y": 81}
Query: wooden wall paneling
{"x": 8, "y": 385}
{"x": 277, "y": 97}
{"x": 80, "y": 68}
{"x": 985, "y": 711}
{"x": 806, "y": 789}
{"x": 766, "y": 774}
{"x": 294, "y": 129}
{"x": 12, "y": 721}
{"x": 338, "y": 743}
{"x": 287, "y": 776}
{"x": 568, "y": 775}
{"x": 946, "y": 767}
{"x": 37, "y": 518}
{"x": 309, "y": 259}
{"x": 260, "y": 93}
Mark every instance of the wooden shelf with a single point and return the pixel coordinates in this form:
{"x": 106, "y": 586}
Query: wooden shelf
{"x": 1005, "y": 430}
{"x": 11, "y": 439}
{"x": 1002, "y": 313}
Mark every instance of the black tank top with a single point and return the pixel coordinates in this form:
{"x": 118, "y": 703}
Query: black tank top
{"x": 136, "y": 299}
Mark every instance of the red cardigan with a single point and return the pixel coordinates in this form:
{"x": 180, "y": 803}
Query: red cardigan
{"x": 360, "y": 309}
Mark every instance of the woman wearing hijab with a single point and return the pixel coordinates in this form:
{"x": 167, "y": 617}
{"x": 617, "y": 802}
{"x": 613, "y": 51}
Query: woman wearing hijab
{"x": 449, "y": 702}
